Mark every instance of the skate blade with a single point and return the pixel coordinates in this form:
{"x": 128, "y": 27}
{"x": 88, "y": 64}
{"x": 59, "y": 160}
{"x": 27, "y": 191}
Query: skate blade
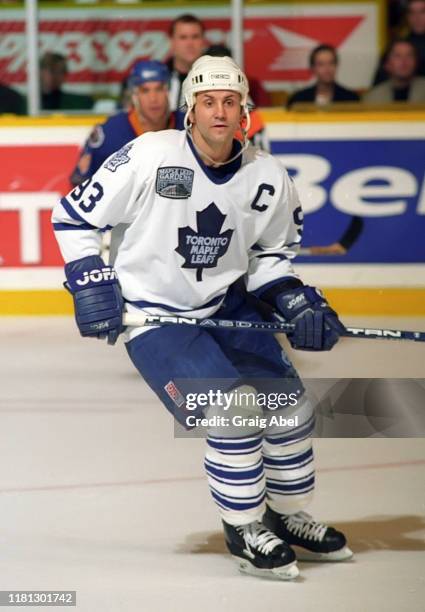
{"x": 343, "y": 554}
{"x": 285, "y": 572}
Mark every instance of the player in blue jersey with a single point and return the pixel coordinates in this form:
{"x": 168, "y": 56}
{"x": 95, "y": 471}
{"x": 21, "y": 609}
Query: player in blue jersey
{"x": 204, "y": 210}
{"x": 148, "y": 83}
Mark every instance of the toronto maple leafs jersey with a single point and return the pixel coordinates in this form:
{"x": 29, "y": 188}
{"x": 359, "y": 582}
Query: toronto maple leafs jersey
{"x": 192, "y": 230}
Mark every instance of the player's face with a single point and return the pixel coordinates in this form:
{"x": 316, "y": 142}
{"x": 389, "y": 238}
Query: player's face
{"x": 216, "y": 116}
{"x": 187, "y": 42}
{"x": 401, "y": 63}
{"x": 416, "y": 17}
{"x": 151, "y": 101}
{"x": 325, "y": 67}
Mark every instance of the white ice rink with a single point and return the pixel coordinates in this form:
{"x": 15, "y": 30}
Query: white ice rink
{"x": 97, "y": 496}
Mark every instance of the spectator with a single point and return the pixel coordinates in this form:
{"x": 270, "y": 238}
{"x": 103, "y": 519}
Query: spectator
{"x": 148, "y": 84}
{"x": 187, "y": 43}
{"x": 415, "y": 17}
{"x": 416, "y": 35}
{"x": 324, "y": 63}
{"x": 11, "y": 101}
{"x": 53, "y": 72}
{"x": 402, "y": 84}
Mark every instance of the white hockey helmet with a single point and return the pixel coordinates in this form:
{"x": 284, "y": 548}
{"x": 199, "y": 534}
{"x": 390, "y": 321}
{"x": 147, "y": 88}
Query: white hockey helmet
{"x": 209, "y": 73}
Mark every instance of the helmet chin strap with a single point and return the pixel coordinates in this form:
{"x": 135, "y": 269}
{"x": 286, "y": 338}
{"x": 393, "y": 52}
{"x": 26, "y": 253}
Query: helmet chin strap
{"x": 245, "y": 143}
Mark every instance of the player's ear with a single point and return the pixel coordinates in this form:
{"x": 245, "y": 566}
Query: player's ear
{"x": 242, "y": 117}
{"x": 191, "y": 117}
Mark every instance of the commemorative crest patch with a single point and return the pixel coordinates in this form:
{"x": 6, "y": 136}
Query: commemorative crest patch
{"x": 174, "y": 182}
{"x": 119, "y": 158}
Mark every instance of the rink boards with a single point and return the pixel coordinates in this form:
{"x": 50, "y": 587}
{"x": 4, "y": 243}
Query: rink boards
{"x": 345, "y": 165}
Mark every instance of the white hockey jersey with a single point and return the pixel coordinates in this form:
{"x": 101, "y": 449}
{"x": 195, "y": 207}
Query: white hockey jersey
{"x": 191, "y": 232}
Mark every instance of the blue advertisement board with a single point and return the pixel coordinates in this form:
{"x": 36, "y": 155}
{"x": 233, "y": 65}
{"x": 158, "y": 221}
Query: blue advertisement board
{"x": 379, "y": 181}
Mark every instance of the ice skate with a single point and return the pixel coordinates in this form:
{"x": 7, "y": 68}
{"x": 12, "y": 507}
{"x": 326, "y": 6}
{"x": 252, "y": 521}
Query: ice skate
{"x": 260, "y": 552}
{"x": 311, "y": 541}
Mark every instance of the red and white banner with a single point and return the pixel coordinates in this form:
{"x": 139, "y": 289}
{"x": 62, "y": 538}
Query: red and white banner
{"x": 101, "y": 45}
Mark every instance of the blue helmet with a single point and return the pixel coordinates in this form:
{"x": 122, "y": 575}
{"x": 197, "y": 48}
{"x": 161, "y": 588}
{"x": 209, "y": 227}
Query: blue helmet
{"x": 146, "y": 71}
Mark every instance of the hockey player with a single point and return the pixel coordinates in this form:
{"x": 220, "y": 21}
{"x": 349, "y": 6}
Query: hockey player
{"x": 257, "y": 133}
{"x": 204, "y": 210}
{"x": 148, "y": 83}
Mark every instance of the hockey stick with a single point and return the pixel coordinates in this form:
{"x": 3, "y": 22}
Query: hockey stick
{"x": 348, "y": 238}
{"x": 141, "y": 320}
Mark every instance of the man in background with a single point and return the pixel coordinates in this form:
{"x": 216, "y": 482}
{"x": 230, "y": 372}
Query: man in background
{"x": 324, "y": 63}
{"x": 53, "y": 73}
{"x": 415, "y": 34}
{"x": 402, "y": 84}
{"x": 186, "y": 44}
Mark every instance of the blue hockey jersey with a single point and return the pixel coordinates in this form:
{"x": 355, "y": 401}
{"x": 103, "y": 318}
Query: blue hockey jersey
{"x": 105, "y": 139}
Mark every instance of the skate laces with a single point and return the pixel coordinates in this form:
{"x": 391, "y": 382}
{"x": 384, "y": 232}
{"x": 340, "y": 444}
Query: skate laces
{"x": 258, "y": 537}
{"x": 302, "y": 524}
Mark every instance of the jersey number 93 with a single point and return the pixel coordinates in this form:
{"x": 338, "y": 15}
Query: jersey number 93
{"x": 91, "y": 196}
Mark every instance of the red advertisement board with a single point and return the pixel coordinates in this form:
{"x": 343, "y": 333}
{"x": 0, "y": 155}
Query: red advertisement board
{"x": 102, "y": 47}
{"x": 32, "y": 179}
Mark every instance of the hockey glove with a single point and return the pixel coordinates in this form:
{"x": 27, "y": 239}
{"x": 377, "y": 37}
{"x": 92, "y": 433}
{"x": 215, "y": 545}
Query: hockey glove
{"x": 98, "y": 301}
{"x": 317, "y": 327}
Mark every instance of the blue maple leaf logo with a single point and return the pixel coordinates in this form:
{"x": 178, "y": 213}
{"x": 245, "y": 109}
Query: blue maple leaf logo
{"x": 203, "y": 248}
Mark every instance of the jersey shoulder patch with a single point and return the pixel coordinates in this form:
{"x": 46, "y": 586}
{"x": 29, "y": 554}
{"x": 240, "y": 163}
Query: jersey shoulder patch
{"x": 119, "y": 158}
{"x": 97, "y": 137}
